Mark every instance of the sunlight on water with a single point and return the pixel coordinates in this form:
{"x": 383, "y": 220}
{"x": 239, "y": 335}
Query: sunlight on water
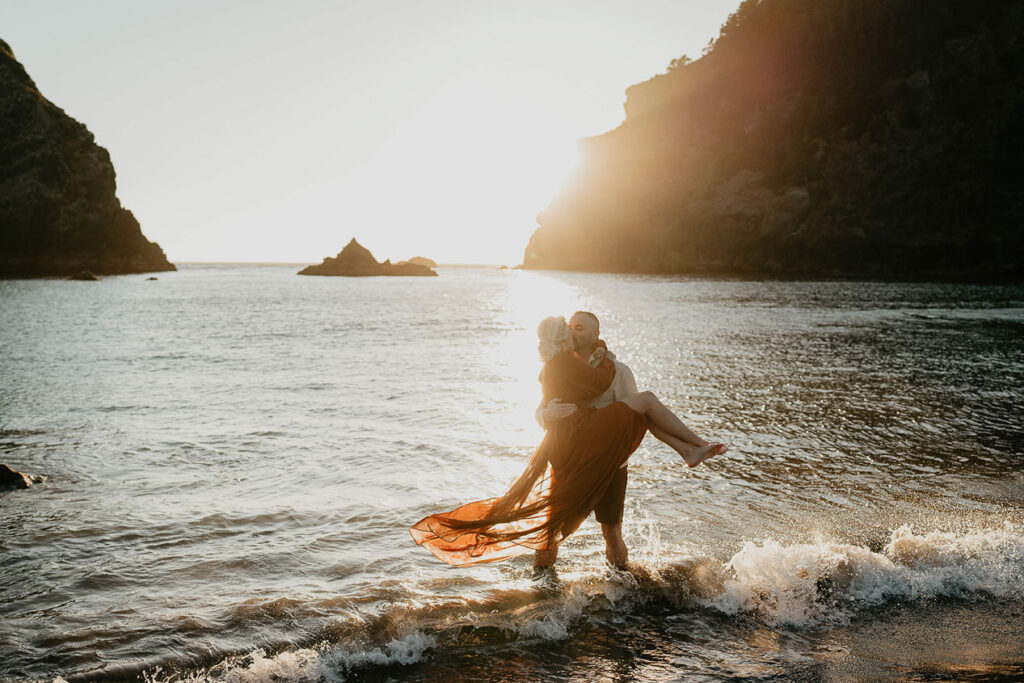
{"x": 234, "y": 455}
{"x": 527, "y": 299}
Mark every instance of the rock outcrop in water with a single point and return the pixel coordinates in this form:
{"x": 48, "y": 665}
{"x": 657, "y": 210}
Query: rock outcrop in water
{"x": 59, "y": 214}
{"x": 880, "y": 138}
{"x": 419, "y": 261}
{"x": 13, "y": 479}
{"x": 355, "y": 260}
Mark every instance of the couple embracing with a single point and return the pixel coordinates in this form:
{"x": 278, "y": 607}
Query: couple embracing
{"x": 594, "y": 419}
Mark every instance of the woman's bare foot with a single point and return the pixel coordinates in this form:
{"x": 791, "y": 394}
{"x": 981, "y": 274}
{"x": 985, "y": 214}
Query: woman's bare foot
{"x": 702, "y": 453}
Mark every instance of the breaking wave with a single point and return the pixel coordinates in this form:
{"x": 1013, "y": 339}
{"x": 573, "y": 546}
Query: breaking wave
{"x": 825, "y": 583}
{"x": 800, "y": 585}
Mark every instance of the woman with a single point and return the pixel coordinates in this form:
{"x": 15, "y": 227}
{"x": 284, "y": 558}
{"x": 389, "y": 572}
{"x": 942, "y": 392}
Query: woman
{"x": 568, "y": 472}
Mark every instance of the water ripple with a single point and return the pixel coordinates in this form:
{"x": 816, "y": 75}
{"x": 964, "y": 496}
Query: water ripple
{"x": 233, "y": 459}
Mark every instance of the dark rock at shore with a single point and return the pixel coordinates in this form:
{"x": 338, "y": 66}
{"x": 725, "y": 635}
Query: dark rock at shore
{"x": 13, "y": 479}
{"x": 877, "y": 138}
{"x": 355, "y": 260}
{"x": 85, "y": 275}
{"x": 59, "y": 213}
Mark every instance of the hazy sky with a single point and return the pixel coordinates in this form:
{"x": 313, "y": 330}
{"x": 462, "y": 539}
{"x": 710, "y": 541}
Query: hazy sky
{"x": 244, "y": 130}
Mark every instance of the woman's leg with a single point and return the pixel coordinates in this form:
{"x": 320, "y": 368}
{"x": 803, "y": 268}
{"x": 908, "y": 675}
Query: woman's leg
{"x": 664, "y": 424}
{"x": 674, "y": 442}
{"x": 661, "y": 417}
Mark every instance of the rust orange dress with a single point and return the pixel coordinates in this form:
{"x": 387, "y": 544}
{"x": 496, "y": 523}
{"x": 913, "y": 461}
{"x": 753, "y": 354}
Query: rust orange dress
{"x": 564, "y": 480}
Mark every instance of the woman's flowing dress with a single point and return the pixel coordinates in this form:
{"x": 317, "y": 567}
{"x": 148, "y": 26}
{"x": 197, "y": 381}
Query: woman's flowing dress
{"x": 564, "y": 480}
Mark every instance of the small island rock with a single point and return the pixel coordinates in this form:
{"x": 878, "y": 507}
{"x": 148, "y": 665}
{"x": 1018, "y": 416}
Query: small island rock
{"x": 13, "y": 479}
{"x": 419, "y": 261}
{"x": 355, "y": 260}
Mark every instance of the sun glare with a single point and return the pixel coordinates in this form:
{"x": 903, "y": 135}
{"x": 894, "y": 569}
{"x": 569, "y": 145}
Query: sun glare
{"x": 438, "y": 129}
{"x": 475, "y": 169}
{"x": 529, "y": 298}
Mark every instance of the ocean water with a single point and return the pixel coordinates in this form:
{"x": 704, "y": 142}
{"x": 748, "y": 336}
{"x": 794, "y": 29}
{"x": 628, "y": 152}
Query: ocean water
{"x": 233, "y": 455}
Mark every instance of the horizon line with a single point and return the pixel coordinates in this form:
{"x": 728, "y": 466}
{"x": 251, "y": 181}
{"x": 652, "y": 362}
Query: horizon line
{"x": 306, "y": 263}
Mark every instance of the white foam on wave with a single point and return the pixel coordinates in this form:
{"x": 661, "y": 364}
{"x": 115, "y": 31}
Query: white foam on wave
{"x": 406, "y": 650}
{"x": 552, "y": 620}
{"x": 806, "y": 584}
{"x": 324, "y": 663}
{"x": 797, "y": 584}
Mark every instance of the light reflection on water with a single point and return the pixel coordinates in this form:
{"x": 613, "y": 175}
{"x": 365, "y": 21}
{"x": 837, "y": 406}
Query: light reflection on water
{"x": 234, "y": 454}
{"x": 528, "y": 298}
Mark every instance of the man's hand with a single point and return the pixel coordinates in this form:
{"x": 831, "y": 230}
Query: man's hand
{"x": 556, "y": 410}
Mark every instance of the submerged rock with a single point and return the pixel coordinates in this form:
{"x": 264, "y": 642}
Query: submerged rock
{"x": 355, "y": 260}
{"x": 84, "y": 275}
{"x": 59, "y": 213}
{"x": 13, "y": 479}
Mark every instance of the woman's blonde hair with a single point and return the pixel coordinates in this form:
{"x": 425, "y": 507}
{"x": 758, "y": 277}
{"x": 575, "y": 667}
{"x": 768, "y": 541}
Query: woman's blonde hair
{"x": 552, "y": 332}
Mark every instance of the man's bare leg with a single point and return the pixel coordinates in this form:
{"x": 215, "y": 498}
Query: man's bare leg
{"x": 544, "y": 559}
{"x": 615, "y": 549}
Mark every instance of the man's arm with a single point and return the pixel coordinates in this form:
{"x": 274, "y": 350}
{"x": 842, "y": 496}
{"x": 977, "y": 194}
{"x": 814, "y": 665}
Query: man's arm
{"x": 539, "y": 414}
{"x": 556, "y": 410}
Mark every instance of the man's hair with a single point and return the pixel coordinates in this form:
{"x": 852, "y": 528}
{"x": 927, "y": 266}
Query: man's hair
{"x": 591, "y": 316}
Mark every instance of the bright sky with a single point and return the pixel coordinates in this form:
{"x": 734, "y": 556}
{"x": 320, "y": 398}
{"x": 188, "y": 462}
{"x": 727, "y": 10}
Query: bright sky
{"x": 246, "y": 130}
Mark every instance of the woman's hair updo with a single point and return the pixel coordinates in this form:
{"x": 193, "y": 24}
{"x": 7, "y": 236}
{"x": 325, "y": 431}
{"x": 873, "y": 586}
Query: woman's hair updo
{"x": 552, "y": 332}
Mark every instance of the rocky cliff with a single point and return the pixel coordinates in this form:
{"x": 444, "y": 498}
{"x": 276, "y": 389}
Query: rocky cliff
{"x": 355, "y": 260}
{"x": 879, "y": 138}
{"x": 58, "y": 210}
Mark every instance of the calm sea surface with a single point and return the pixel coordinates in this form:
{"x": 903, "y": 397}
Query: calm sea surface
{"x": 234, "y": 453}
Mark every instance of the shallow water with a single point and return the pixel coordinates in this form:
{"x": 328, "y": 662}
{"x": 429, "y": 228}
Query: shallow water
{"x": 233, "y": 456}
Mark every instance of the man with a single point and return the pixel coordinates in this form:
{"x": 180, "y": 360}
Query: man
{"x": 586, "y": 330}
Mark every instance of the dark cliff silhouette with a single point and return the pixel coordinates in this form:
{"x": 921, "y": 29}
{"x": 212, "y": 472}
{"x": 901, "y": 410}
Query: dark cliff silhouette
{"x": 878, "y": 138}
{"x": 355, "y": 260}
{"x": 59, "y": 214}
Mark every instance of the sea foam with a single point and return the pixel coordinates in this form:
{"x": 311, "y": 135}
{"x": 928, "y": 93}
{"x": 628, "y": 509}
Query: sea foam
{"x": 330, "y": 663}
{"x": 807, "y": 584}
{"x": 797, "y": 585}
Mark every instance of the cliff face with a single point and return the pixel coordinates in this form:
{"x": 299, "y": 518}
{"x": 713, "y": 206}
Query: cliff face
{"x": 355, "y": 260}
{"x": 879, "y": 138}
{"x": 58, "y": 210}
